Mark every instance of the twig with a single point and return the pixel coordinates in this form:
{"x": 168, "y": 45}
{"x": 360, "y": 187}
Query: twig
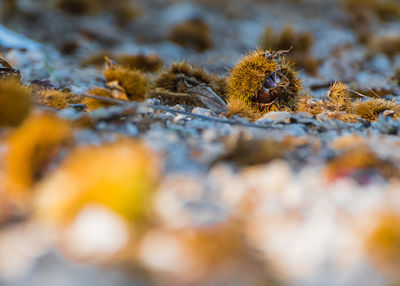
{"x": 359, "y": 94}
{"x": 172, "y": 110}
{"x": 373, "y": 92}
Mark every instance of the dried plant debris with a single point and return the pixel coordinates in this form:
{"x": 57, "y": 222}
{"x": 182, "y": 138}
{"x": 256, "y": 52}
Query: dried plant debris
{"x": 94, "y": 103}
{"x": 122, "y": 83}
{"x": 244, "y": 151}
{"x": 367, "y": 9}
{"x": 337, "y": 105}
{"x": 239, "y": 107}
{"x": 122, "y": 198}
{"x": 129, "y": 168}
{"x": 58, "y": 99}
{"x": 311, "y": 105}
{"x": 7, "y": 71}
{"x": 382, "y": 242}
{"x": 123, "y": 10}
{"x": 339, "y": 97}
{"x": 185, "y": 83}
{"x": 143, "y": 62}
{"x": 198, "y": 96}
{"x": 77, "y": 7}
{"x": 39, "y": 84}
{"x": 46, "y": 93}
{"x": 370, "y": 110}
{"x": 300, "y": 42}
{"x": 69, "y": 47}
{"x": 15, "y": 102}
{"x": 132, "y": 81}
{"x": 193, "y": 33}
{"x": 181, "y": 76}
{"x": 97, "y": 59}
{"x": 386, "y": 44}
{"x": 31, "y": 148}
{"x": 358, "y": 160}
{"x": 341, "y": 105}
{"x": 266, "y": 81}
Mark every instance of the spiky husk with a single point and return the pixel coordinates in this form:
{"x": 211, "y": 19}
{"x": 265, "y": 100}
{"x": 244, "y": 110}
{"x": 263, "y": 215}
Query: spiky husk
{"x": 371, "y": 109}
{"x": 182, "y": 75}
{"x": 133, "y": 81}
{"x": 248, "y": 76}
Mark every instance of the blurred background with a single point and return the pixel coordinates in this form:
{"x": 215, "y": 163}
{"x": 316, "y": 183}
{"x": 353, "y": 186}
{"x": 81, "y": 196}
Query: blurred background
{"x": 332, "y": 40}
